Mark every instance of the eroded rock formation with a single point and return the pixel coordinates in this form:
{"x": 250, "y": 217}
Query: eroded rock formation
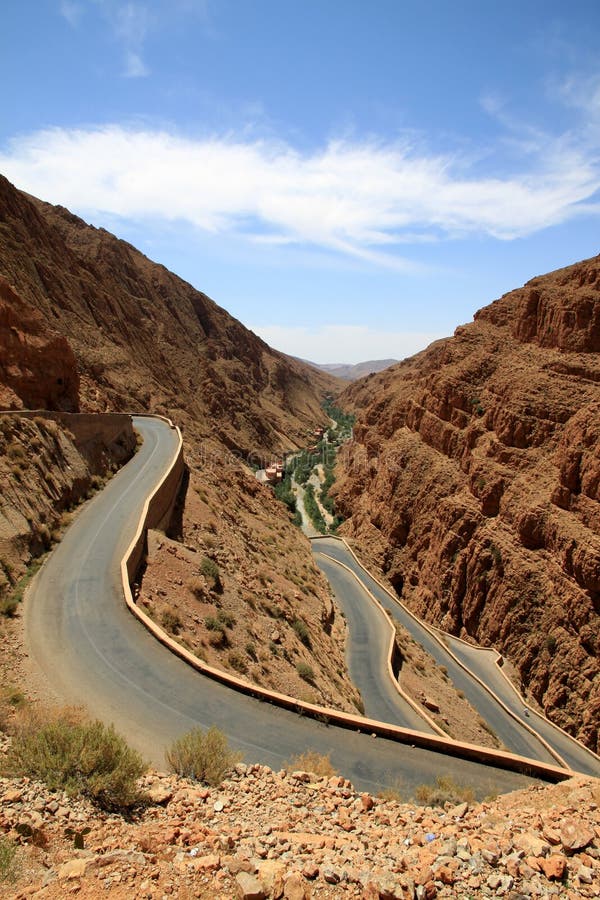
{"x": 37, "y": 366}
{"x": 474, "y": 483}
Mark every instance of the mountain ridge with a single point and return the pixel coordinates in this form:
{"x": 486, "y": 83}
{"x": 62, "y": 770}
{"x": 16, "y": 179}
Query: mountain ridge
{"x": 352, "y": 371}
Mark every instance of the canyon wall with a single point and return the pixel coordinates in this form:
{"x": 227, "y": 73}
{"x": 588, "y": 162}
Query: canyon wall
{"x": 473, "y": 483}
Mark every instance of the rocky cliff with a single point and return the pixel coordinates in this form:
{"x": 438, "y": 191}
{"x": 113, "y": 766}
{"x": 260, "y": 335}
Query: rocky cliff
{"x": 37, "y": 366}
{"x": 474, "y": 483}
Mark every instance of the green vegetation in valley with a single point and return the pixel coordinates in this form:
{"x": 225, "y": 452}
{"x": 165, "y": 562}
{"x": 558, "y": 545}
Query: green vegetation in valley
{"x": 312, "y": 509}
{"x": 344, "y": 421}
{"x": 283, "y": 491}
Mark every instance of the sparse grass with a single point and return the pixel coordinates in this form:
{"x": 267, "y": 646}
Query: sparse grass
{"x": 486, "y": 727}
{"x": 237, "y": 662}
{"x": 225, "y": 618}
{"x": 10, "y": 604}
{"x": 359, "y": 704}
{"x": 171, "y": 621}
{"x": 82, "y": 758}
{"x": 310, "y": 761}
{"x": 445, "y": 790}
{"x": 11, "y": 700}
{"x": 8, "y": 860}
{"x": 301, "y": 629}
{"x": 202, "y": 756}
{"x": 197, "y": 587}
{"x": 210, "y": 570}
{"x": 394, "y": 792}
{"x": 305, "y": 671}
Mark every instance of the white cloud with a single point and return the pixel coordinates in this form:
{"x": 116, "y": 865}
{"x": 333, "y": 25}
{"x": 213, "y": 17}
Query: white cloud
{"x": 343, "y": 343}
{"x": 135, "y": 67}
{"x": 130, "y": 24}
{"x": 362, "y": 199}
{"x": 71, "y": 11}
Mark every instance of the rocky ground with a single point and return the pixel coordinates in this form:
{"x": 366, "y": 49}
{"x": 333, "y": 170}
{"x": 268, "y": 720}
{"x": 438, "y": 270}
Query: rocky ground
{"x": 290, "y": 834}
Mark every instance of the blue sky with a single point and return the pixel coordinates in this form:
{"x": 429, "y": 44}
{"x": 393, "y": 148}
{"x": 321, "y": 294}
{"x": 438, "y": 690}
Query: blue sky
{"x": 350, "y": 179}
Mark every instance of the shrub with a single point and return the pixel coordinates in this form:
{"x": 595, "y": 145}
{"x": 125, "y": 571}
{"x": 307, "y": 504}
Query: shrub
{"x": 237, "y": 662}
{"x": 225, "y": 619}
{"x": 305, "y": 671}
{"x": 496, "y": 554}
{"x": 8, "y": 859}
{"x": 202, "y": 756}
{"x": 8, "y": 607}
{"x": 11, "y": 699}
{"x": 251, "y": 651}
{"x": 311, "y": 761}
{"x": 210, "y": 570}
{"x": 445, "y": 790}
{"x": 197, "y": 587}
{"x": 301, "y": 629}
{"x": 83, "y": 758}
{"x": 218, "y": 636}
{"x": 171, "y": 621}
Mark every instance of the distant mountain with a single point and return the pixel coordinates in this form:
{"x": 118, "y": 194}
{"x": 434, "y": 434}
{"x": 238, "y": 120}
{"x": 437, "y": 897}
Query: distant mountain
{"x": 352, "y": 372}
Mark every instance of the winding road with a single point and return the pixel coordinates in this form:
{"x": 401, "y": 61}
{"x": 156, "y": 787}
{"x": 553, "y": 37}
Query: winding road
{"x": 90, "y": 650}
{"x": 510, "y": 723}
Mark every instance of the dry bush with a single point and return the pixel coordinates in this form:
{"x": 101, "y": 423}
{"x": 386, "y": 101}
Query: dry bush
{"x": 305, "y": 671}
{"x": 8, "y": 860}
{"x": 84, "y": 758}
{"x": 197, "y": 586}
{"x": 210, "y": 570}
{"x": 311, "y": 761}
{"x": 237, "y": 662}
{"x": 202, "y": 756}
{"x": 445, "y": 790}
{"x": 171, "y": 621}
{"x": 11, "y": 700}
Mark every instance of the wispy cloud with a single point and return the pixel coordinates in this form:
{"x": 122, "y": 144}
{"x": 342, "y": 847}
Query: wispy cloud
{"x": 365, "y": 199}
{"x": 135, "y": 67}
{"x": 130, "y": 24}
{"x": 344, "y": 343}
{"x": 71, "y": 11}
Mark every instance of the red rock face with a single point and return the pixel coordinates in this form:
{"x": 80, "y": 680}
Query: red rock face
{"x": 474, "y": 483}
{"x": 38, "y": 369}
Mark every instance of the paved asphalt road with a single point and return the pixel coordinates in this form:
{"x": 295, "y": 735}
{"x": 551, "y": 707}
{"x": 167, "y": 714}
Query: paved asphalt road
{"x": 368, "y": 650}
{"x": 482, "y": 663}
{"x": 92, "y": 651}
{"x": 514, "y": 737}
